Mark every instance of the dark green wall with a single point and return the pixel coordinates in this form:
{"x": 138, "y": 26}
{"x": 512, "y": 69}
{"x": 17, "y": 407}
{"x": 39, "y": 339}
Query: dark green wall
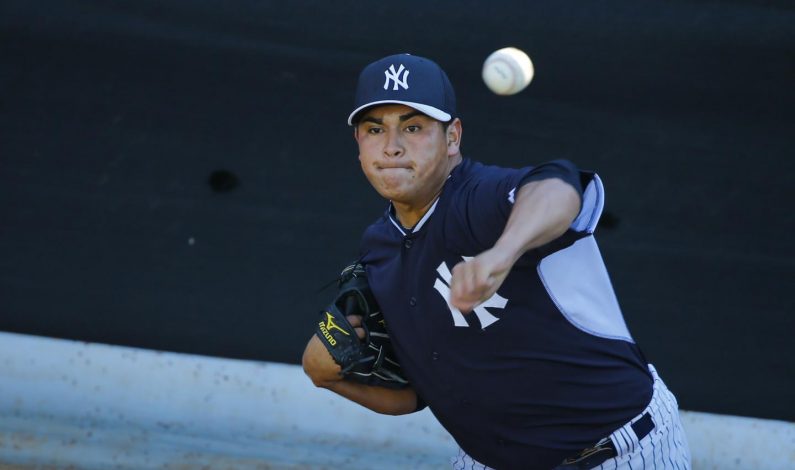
{"x": 113, "y": 115}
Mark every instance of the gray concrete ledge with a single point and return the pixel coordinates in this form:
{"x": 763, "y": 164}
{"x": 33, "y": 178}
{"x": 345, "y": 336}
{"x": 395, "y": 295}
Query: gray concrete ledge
{"x": 68, "y": 404}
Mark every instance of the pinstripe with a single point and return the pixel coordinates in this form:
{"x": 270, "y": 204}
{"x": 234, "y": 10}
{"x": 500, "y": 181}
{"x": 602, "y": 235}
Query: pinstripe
{"x": 670, "y": 444}
{"x": 653, "y": 453}
{"x": 627, "y": 441}
{"x": 672, "y": 438}
{"x": 669, "y": 435}
{"x": 623, "y": 449}
{"x": 666, "y": 444}
{"x": 642, "y": 448}
{"x": 630, "y": 440}
{"x": 459, "y": 460}
{"x": 674, "y": 427}
{"x": 656, "y": 408}
{"x": 679, "y": 434}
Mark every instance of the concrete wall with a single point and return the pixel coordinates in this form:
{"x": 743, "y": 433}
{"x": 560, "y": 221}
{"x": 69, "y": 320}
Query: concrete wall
{"x": 93, "y": 406}
{"x": 114, "y": 114}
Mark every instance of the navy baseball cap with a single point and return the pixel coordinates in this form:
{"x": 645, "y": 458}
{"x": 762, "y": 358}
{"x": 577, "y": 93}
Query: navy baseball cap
{"x": 405, "y": 79}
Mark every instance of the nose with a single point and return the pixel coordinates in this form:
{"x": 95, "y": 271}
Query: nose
{"x": 393, "y": 147}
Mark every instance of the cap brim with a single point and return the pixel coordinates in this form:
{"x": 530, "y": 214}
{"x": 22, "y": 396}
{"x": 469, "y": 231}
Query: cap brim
{"x": 435, "y": 113}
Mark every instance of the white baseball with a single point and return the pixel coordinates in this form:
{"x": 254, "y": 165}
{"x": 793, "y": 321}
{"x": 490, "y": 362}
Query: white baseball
{"x": 507, "y": 71}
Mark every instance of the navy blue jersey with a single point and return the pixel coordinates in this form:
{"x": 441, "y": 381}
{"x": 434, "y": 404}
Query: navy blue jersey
{"x": 546, "y": 366}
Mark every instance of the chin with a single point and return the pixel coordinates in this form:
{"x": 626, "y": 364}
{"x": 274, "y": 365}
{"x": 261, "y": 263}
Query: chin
{"x": 391, "y": 194}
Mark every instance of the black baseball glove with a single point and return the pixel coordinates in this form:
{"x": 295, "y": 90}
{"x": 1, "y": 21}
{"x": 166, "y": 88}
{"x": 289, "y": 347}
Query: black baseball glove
{"x": 369, "y": 361}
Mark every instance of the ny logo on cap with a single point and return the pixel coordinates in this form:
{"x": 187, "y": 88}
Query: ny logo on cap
{"x": 392, "y": 75}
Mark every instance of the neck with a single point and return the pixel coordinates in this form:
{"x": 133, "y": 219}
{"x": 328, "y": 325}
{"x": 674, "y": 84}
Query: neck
{"x": 408, "y": 214}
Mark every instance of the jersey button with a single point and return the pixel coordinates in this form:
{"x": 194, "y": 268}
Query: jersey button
{"x": 412, "y": 301}
{"x": 408, "y": 243}
{"x": 435, "y": 356}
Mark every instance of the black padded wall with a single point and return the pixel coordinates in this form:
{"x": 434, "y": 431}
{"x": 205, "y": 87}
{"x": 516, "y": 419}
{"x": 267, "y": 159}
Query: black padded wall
{"x": 178, "y": 175}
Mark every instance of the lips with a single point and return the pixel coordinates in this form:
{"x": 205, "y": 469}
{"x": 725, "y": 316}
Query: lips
{"x": 393, "y": 167}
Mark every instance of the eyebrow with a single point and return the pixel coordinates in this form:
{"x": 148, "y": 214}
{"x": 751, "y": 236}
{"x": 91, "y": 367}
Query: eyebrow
{"x": 402, "y": 118}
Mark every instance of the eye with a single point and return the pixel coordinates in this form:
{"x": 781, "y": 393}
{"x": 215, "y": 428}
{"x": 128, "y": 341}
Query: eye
{"x": 374, "y": 130}
{"x": 413, "y": 128}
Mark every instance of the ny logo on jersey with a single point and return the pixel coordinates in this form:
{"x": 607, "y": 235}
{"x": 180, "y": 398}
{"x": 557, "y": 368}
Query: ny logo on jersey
{"x": 394, "y": 76}
{"x": 443, "y": 287}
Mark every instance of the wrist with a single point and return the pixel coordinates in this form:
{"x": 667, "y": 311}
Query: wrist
{"x": 505, "y": 254}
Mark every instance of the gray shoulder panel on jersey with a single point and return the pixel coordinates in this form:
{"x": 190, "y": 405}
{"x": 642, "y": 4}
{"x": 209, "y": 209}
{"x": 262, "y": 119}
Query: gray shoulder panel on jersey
{"x": 593, "y": 201}
{"x": 576, "y": 278}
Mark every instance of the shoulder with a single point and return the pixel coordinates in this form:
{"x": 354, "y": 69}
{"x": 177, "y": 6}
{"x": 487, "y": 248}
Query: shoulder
{"x": 378, "y": 226}
{"x": 378, "y": 239}
{"x": 471, "y": 174}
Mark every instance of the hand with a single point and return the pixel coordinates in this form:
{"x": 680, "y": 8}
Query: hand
{"x": 476, "y": 280}
{"x": 318, "y": 363}
{"x": 356, "y": 323}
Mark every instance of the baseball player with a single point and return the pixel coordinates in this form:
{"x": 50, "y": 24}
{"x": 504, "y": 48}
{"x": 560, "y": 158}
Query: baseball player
{"x": 495, "y": 297}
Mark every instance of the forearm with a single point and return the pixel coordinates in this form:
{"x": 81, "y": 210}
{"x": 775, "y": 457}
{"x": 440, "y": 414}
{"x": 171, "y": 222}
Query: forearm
{"x": 379, "y": 399}
{"x": 324, "y": 372}
{"x": 543, "y": 210}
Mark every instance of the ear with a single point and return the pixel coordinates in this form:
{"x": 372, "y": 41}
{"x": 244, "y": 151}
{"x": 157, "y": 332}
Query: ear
{"x": 454, "y": 133}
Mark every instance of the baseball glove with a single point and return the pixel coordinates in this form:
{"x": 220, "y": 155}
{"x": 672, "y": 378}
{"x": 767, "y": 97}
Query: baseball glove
{"x": 370, "y": 361}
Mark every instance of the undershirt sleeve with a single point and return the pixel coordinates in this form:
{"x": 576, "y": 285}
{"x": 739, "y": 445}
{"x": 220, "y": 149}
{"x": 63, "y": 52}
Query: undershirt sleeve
{"x": 561, "y": 169}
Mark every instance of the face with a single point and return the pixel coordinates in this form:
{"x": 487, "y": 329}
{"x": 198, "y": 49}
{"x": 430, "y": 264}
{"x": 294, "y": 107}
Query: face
{"x": 405, "y": 154}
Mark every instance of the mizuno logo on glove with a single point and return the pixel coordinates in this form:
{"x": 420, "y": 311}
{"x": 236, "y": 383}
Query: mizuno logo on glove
{"x": 330, "y": 325}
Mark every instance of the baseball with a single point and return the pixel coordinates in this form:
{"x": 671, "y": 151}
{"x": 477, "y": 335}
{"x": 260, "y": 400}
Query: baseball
{"x": 507, "y": 71}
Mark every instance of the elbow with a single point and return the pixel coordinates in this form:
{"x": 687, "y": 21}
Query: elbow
{"x": 318, "y": 365}
{"x": 405, "y": 402}
{"x": 395, "y": 411}
{"x": 392, "y": 411}
{"x": 568, "y": 203}
{"x": 311, "y": 371}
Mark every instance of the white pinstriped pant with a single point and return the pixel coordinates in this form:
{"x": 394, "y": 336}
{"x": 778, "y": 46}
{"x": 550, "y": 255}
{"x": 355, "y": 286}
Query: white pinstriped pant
{"x": 664, "y": 448}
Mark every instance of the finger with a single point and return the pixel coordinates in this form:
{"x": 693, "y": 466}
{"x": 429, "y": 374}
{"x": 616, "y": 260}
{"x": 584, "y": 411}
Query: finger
{"x": 463, "y": 287}
{"x": 356, "y": 323}
{"x": 457, "y": 297}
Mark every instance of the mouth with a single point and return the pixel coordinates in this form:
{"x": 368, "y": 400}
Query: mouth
{"x": 393, "y": 167}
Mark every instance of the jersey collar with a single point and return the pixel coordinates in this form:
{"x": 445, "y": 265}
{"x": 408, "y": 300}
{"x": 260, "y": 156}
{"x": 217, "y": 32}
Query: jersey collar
{"x": 404, "y": 231}
{"x": 390, "y": 212}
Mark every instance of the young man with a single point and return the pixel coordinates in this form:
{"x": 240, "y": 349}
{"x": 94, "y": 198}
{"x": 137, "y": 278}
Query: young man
{"x": 496, "y": 297}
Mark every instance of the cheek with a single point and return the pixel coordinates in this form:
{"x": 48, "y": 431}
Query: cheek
{"x": 369, "y": 172}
